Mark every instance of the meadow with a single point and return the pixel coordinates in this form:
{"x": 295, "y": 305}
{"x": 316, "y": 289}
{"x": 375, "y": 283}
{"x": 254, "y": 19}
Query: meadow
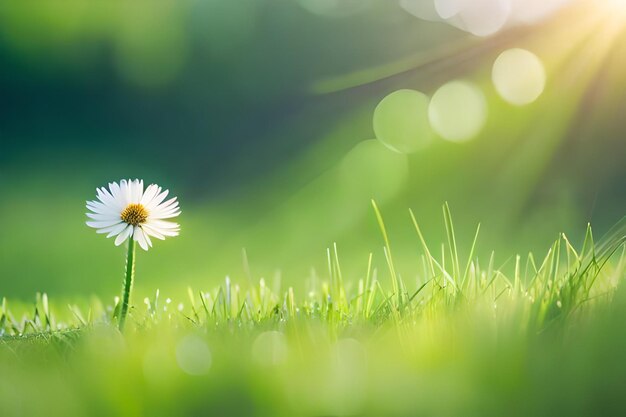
{"x": 462, "y": 338}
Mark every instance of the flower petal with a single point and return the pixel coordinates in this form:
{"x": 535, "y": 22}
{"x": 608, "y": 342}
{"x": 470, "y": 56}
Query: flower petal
{"x": 147, "y": 237}
{"x": 108, "y": 199}
{"x": 103, "y": 217}
{"x": 117, "y": 229}
{"x": 164, "y": 227}
{"x": 136, "y": 190}
{"x": 125, "y": 192}
{"x": 116, "y": 191}
{"x": 166, "y": 209}
{"x": 103, "y": 224}
{"x": 151, "y": 191}
{"x": 157, "y": 200}
{"x": 121, "y": 238}
{"x": 168, "y": 215}
{"x": 140, "y": 238}
{"x": 163, "y": 224}
{"x": 100, "y": 208}
{"x": 150, "y": 231}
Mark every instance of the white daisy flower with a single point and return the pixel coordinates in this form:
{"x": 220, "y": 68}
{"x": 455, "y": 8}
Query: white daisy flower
{"x": 127, "y": 210}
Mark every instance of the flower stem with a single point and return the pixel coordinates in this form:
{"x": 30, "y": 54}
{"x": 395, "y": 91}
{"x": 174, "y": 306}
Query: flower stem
{"x": 128, "y": 281}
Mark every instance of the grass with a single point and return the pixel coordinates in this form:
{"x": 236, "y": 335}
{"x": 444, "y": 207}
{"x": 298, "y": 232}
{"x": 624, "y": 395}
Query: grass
{"x": 533, "y": 336}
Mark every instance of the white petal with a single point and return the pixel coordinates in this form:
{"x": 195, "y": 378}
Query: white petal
{"x": 117, "y": 229}
{"x": 139, "y": 195}
{"x": 103, "y": 224}
{"x": 168, "y": 210}
{"x": 100, "y": 208}
{"x": 157, "y": 200}
{"x": 163, "y": 224}
{"x": 108, "y": 199}
{"x": 121, "y": 238}
{"x": 116, "y": 191}
{"x": 109, "y": 229}
{"x": 147, "y": 237}
{"x": 170, "y": 233}
{"x": 125, "y": 192}
{"x": 169, "y": 203}
{"x": 163, "y": 227}
{"x": 103, "y": 217}
{"x": 140, "y": 238}
{"x": 167, "y": 215}
{"x": 150, "y": 231}
{"x": 161, "y": 214}
{"x": 169, "y": 207}
{"x": 136, "y": 190}
{"x": 149, "y": 194}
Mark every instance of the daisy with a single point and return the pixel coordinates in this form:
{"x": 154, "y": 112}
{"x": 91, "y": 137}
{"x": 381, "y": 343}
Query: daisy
{"x": 129, "y": 212}
{"x": 126, "y": 210}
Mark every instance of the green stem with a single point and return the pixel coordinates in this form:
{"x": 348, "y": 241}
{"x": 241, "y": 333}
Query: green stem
{"x": 128, "y": 281}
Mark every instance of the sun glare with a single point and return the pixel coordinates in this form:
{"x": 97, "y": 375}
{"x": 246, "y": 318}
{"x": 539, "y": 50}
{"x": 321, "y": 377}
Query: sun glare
{"x": 616, "y": 6}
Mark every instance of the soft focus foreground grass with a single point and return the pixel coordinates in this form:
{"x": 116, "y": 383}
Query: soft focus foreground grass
{"x": 465, "y": 339}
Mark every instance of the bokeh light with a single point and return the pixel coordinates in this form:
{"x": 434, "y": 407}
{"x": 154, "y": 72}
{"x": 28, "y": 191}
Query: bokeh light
{"x": 449, "y": 8}
{"x": 616, "y": 9}
{"x": 458, "y": 111}
{"x": 519, "y": 76}
{"x": 618, "y": 5}
{"x": 347, "y": 379}
{"x": 479, "y": 17}
{"x": 532, "y": 11}
{"x": 270, "y": 348}
{"x": 420, "y": 8}
{"x": 401, "y": 121}
{"x": 484, "y": 17}
{"x": 193, "y": 355}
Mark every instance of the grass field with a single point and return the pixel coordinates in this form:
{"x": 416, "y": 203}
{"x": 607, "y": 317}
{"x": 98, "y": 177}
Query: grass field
{"x": 535, "y": 335}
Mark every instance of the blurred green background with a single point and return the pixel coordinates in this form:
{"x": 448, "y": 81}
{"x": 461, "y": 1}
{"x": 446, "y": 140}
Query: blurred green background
{"x": 257, "y": 114}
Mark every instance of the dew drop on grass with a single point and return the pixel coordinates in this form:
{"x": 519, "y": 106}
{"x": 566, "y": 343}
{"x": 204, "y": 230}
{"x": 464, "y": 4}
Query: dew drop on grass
{"x": 518, "y": 76}
{"x": 458, "y": 111}
{"x": 401, "y": 121}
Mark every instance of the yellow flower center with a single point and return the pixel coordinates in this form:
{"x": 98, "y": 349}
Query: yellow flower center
{"x": 134, "y": 214}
